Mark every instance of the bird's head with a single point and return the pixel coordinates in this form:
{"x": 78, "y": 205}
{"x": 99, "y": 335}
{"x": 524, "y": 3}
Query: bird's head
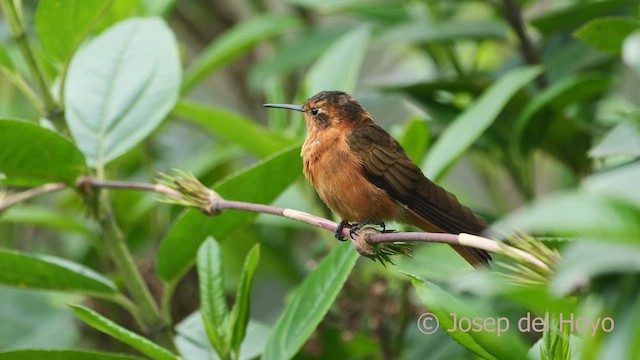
{"x": 329, "y": 109}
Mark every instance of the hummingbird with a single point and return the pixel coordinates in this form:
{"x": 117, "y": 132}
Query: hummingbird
{"x": 364, "y": 175}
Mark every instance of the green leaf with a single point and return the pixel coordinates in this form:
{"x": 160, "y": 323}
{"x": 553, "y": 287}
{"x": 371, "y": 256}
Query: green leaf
{"x": 5, "y": 61}
{"x": 415, "y": 139}
{"x": 620, "y": 183}
{"x": 338, "y": 68}
{"x": 470, "y": 125}
{"x": 576, "y": 14}
{"x": 45, "y": 216}
{"x": 448, "y": 310}
{"x": 327, "y": 4}
{"x": 49, "y": 273}
{"x": 293, "y": 55}
{"x": 234, "y": 43}
{"x": 631, "y": 51}
{"x": 63, "y": 355}
{"x": 533, "y": 122}
{"x": 310, "y": 303}
{"x": 240, "y": 312}
{"x": 586, "y": 259}
{"x": 213, "y": 302}
{"x": 193, "y": 343}
{"x": 62, "y": 25}
{"x": 260, "y": 183}
{"x": 157, "y": 7}
{"x": 428, "y": 32}
{"x": 622, "y": 140}
{"x": 234, "y": 128}
{"x": 31, "y": 151}
{"x": 121, "y": 86}
{"x": 575, "y": 214}
{"x": 36, "y": 320}
{"x": 116, "y": 331}
{"x": 608, "y": 33}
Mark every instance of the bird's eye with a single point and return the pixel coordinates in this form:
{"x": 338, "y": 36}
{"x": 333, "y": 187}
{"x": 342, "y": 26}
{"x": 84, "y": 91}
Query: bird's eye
{"x": 314, "y": 111}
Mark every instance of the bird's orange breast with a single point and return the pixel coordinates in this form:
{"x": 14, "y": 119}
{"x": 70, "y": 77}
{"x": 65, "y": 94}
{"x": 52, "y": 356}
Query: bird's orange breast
{"x": 337, "y": 174}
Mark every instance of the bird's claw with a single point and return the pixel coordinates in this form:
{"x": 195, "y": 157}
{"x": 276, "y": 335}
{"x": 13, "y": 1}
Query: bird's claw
{"x": 341, "y": 226}
{"x": 354, "y": 229}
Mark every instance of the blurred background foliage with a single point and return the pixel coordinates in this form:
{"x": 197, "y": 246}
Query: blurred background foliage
{"x": 552, "y": 151}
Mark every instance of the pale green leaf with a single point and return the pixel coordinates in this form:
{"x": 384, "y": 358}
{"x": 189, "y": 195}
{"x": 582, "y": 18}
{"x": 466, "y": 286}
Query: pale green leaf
{"x": 121, "y": 86}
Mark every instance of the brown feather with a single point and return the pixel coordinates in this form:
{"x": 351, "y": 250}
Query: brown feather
{"x": 430, "y": 206}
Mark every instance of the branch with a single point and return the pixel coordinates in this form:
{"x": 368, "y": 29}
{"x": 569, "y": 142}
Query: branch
{"x": 10, "y": 200}
{"x": 513, "y": 14}
{"x": 188, "y": 191}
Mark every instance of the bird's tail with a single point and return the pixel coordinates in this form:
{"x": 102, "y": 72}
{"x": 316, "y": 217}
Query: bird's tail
{"x": 479, "y": 259}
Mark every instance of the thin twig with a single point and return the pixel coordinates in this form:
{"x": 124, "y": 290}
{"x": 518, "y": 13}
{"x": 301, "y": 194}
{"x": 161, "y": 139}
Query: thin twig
{"x": 211, "y": 203}
{"x": 27, "y": 194}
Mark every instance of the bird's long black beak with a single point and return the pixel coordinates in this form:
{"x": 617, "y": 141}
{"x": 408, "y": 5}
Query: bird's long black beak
{"x": 285, "y": 106}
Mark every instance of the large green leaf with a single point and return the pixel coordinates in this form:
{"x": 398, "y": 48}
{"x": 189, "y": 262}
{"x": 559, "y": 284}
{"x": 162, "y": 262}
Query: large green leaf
{"x": 234, "y": 128}
{"x": 470, "y": 125}
{"x": 575, "y": 214}
{"x": 260, "y": 183}
{"x": 338, "y": 68}
{"x": 607, "y": 34}
{"x": 128, "y": 337}
{"x": 213, "y": 301}
{"x": 47, "y": 217}
{"x": 121, "y": 86}
{"x": 239, "y": 317}
{"x": 36, "y": 320}
{"x": 47, "y": 272}
{"x": 428, "y": 32}
{"x": 584, "y": 259}
{"x": 446, "y": 312}
{"x": 622, "y": 140}
{"x": 234, "y": 43}
{"x": 63, "y": 355}
{"x": 310, "y": 303}
{"x": 62, "y": 25}
{"x": 31, "y": 151}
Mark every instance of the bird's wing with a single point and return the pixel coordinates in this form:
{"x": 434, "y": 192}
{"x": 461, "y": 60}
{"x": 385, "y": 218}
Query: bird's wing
{"x": 387, "y": 166}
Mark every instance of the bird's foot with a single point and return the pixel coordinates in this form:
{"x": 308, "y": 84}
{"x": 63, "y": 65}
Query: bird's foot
{"x": 338, "y": 234}
{"x": 354, "y": 229}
